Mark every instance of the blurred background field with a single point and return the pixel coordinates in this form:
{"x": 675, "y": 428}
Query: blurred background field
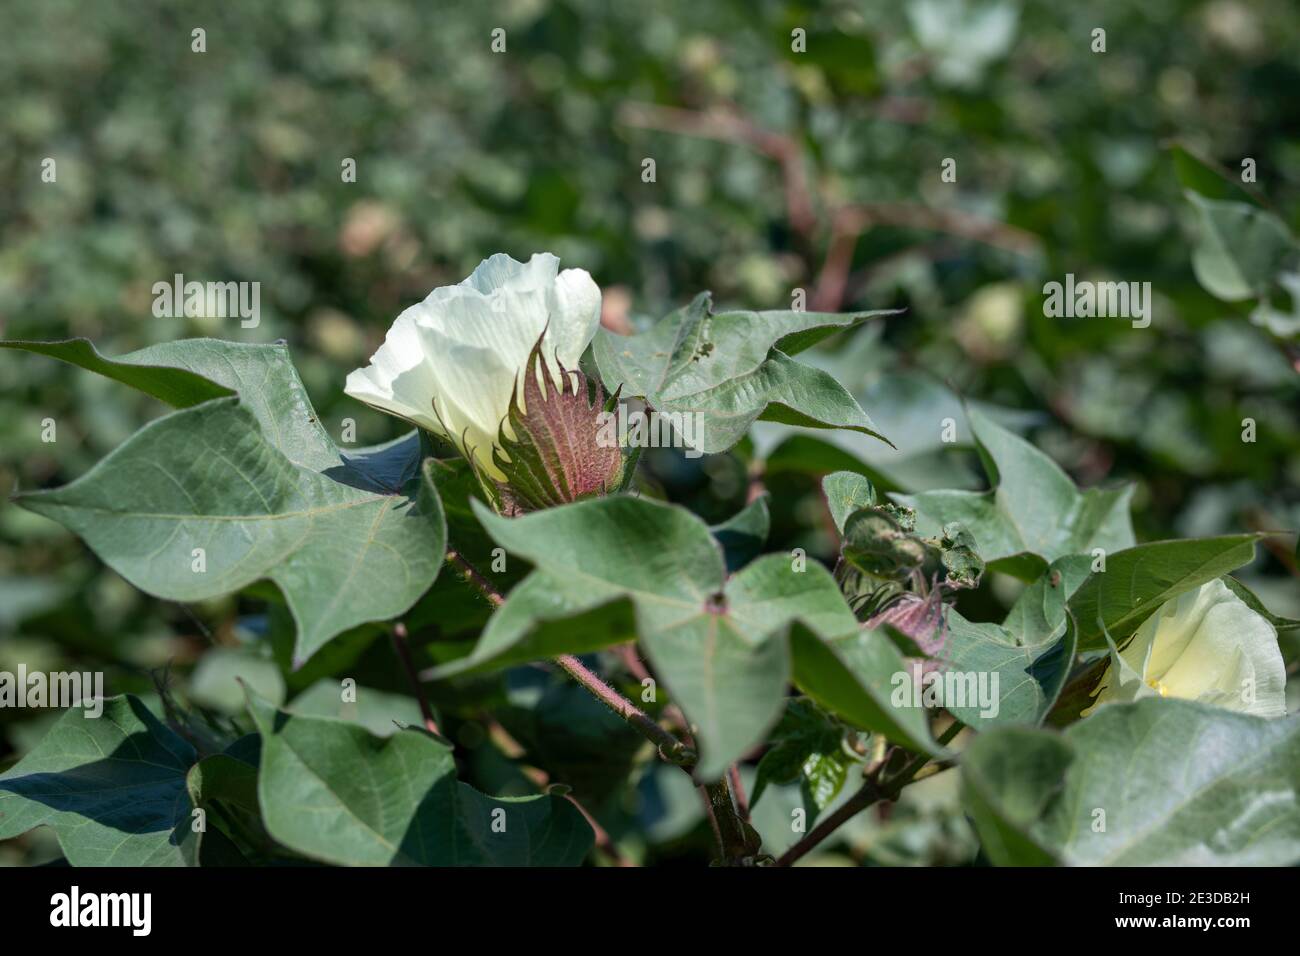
{"x": 775, "y": 171}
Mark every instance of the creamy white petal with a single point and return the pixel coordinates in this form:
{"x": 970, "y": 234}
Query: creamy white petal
{"x": 575, "y": 315}
{"x": 501, "y": 271}
{"x": 461, "y": 350}
{"x": 399, "y": 359}
{"x": 1216, "y": 643}
{"x": 1208, "y": 645}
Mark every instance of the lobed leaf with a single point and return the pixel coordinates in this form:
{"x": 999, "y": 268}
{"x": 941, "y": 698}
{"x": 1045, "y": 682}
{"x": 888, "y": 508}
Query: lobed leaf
{"x": 622, "y": 567}
{"x": 1152, "y": 783}
{"x": 258, "y": 485}
{"x": 335, "y": 792}
{"x": 1033, "y": 515}
{"x": 730, "y": 369}
{"x": 113, "y": 789}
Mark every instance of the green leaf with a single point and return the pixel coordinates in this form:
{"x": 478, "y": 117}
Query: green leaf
{"x": 1039, "y": 613}
{"x": 1196, "y": 175}
{"x": 379, "y": 711}
{"x": 539, "y": 621}
{"x": 607, "y": 555}
{"x": 341, "y": 551}
{"x": 743, "y": 535}
{"x": 718, "y": 644}
{"x": 847, "y": 492}
{"x": 191, "y": 371}
{"x": 1241, "y": 248}
{"x": 1253, "y": 602}
{"x": 226, "y": 777}
{"x": 806, "y": 746}
{"x": 1029, "y": 675}
{"x": 727, "y": 668}
{"x": 1008, "y": 778}
{"x": 1138, "y": 580}
{"x": 730, "y": 369}
{"x": 215, "y": 683}
{"x": 1282, "y": 319}
{"x": 336, "y": 793}
{"x": 1031, "y": 652}
{"x": 112, "y": 787}
{"x": 1033, "y": 515}
{"x": 1158, "y": 782}
{"x": 854, "y": 676}
{"x": 911, "y": 408}
{"x": 405, "y": 555}
{"x": 148, "y": 370}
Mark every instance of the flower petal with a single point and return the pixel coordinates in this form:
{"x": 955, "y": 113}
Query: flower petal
{"x": 1211, "y": 643}
{"x": 400, "y": 358}
{"x": 575, "y": 315}
{"x": 501, "y": 271}
{"x": 1205, "y": 645}
{"x": 451, "y": 363}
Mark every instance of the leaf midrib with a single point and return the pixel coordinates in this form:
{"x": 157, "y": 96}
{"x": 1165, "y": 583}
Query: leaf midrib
{"x": 165, "y": 516}
{"x": 1165, "y": 818}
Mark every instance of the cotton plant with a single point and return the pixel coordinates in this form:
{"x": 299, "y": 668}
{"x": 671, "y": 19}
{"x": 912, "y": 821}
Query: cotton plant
{"x": 771, "y": 662}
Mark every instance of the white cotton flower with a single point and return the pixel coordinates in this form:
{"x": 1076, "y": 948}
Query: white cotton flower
{"x": 1205, "y": 645}
{"x": 450, "y": 364}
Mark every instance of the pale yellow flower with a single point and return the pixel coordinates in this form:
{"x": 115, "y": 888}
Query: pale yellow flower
{"x": 1204, "y": 645}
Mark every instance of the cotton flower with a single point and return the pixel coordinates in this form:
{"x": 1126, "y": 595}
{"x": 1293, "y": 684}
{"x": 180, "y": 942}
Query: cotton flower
{"x": 1205, "y": 645}
{"x": 451, "y": 364}
{"x": 491, "y": 365}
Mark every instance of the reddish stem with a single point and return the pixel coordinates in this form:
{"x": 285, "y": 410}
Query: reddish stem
{"x": 398, "y": 635}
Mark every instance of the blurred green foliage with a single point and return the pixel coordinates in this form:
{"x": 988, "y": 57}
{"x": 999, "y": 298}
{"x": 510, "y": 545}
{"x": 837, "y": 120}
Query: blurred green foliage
{"x": 775, "y": 171}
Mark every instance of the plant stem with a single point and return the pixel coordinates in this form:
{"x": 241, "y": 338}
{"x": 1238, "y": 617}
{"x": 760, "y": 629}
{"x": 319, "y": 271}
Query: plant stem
{"x": 670, "y": 748}
{"x": 871, "y": 793}
{"x": 398, "y": 635}
{"x": 865, "y": 797}
{"x": 671, "y": 713}
{"x": 738, "y": 791}
{"x": 732, "y": 841}
{"x": 730, "y": 828}
{"x": 475, "y": 578}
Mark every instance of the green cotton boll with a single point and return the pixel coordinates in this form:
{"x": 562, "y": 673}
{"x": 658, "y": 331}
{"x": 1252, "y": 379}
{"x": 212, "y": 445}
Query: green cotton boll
{"x": 877, "y": 544}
